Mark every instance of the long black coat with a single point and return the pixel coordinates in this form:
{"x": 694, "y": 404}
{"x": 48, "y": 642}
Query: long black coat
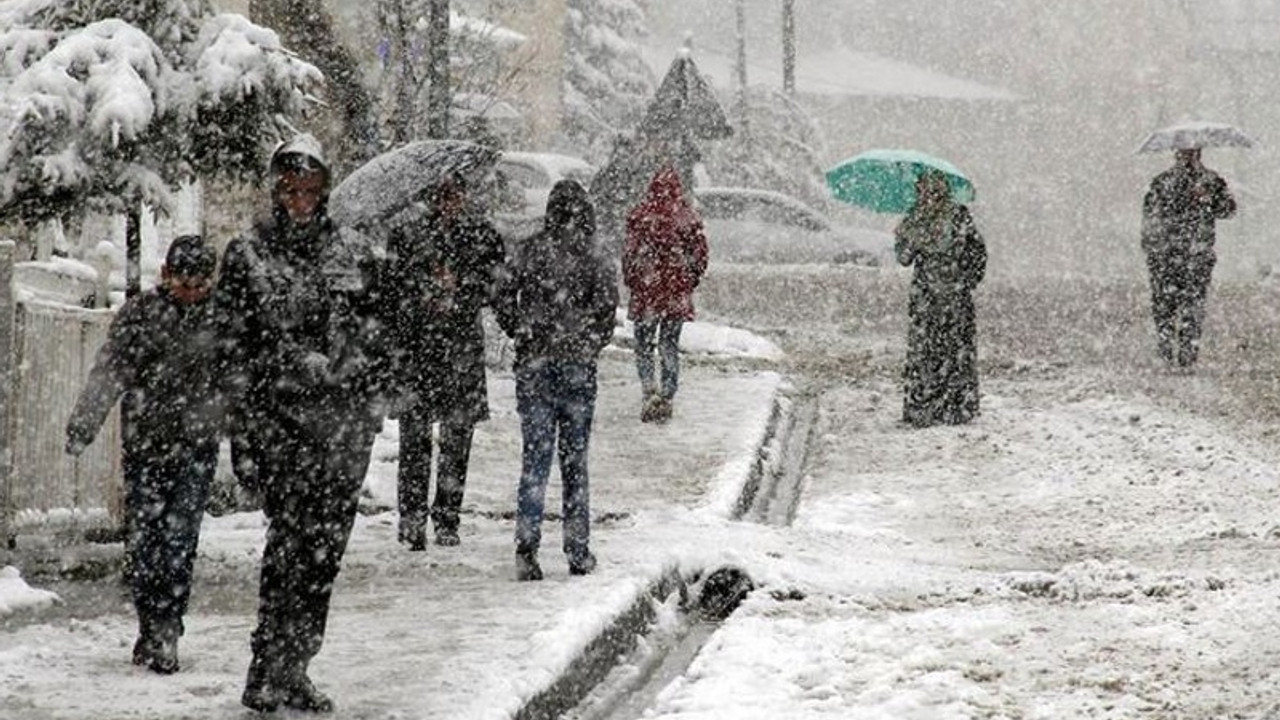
{"x": 164, "y": 357}
{"x": 302, "y": 323}
{"x": 437, "y": 280}
{"x": 941, "y": 372}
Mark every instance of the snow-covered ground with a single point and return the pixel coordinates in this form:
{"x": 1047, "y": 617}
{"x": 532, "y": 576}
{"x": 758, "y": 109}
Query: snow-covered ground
{"x": 1097, "y": 544}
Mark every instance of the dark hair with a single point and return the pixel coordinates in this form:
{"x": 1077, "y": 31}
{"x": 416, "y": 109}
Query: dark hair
{"x": 190, "y": 256}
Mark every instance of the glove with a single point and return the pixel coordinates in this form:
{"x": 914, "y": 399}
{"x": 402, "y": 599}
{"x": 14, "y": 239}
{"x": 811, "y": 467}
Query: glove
{"x": 75, "y": 446}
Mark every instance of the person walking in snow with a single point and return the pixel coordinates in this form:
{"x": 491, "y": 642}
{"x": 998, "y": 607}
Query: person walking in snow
{"x": 161, "y": 355}
{"x": 1179, "y": 213}
{"x": 559, "y": 307}
{"x": 299, "y": 294}
{"x": 662, "y": 263}
{"x": 441, "y": 273}
{"x": 939, "y": 240}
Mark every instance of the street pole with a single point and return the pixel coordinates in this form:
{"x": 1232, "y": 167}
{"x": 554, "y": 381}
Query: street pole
{"x": 439, "y": 95}
{"x": 789, "y": 47}
{"x": 741, "y": 16}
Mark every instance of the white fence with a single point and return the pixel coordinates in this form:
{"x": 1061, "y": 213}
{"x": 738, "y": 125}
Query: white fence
{"x": 46, "y": 351}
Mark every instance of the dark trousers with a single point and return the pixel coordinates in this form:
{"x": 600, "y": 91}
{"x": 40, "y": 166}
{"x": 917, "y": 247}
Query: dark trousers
{"x": 556, "y": 401}
{"x": 1179, "y": 286}
{"x": 413, "y": 478}
{"x": 662, "y": 334}
{"x": 166, "y": 488}
{"x": 311, "y": 488}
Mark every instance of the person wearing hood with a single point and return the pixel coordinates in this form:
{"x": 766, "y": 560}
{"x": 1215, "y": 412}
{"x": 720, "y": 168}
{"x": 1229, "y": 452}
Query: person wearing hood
{"x": 662, "y": 263}
{"x": 1179, "y": 214}
{"x": 558, "y": 305}
{"x": 299, "y": 295}
{"x": 442, "y": 270}
{"x": 162, "y": 356}
{"x": 939, "y": 240}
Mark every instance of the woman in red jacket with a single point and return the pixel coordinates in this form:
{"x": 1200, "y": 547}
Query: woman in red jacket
{"x": 663, "y": 261}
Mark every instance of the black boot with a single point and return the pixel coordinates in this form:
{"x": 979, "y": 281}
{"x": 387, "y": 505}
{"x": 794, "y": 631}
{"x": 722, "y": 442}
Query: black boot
{"x": 583, "y": 564}
{"x": 301, "y": 694}
{"x": 164, "y": 648}
{"x": 527, "y": 567}
{"x": 260, "y": 690}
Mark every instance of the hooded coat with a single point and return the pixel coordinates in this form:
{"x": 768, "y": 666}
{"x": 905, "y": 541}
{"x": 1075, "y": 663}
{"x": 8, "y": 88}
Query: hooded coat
{"x": 949, "y": 257}
{"x": 666, "y": 252}
{"x": 299, "y": 309}
{"x": 562, "y": 295}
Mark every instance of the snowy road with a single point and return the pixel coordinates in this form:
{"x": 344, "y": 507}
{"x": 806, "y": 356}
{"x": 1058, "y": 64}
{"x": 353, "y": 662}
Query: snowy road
{"x": 1103, "y": 542}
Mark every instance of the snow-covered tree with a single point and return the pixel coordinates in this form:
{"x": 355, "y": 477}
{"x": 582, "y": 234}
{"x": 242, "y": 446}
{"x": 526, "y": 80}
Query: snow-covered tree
{"x": 107, "y": 105}
{"x": 779, "y": 148}
{"x": 606, "y": 83}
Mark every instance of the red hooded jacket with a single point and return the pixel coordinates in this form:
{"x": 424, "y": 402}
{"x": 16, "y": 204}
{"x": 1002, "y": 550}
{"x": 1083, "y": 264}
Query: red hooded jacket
{"x": 666, "y": 252}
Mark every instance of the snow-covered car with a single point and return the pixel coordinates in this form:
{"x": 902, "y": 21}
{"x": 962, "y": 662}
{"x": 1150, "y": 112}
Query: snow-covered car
{"x": 751, "y": 225}
{"x": 529, "y": 176}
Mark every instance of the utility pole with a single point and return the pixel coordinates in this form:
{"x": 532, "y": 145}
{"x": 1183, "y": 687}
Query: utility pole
{"x": 741, "y": 13}
{"x": 439, "y": 95}
{"x": 789, "y": 47}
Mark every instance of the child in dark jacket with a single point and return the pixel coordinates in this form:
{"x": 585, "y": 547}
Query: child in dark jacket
{"x": 160, "y": 355}
{"x": 559, "y": 307}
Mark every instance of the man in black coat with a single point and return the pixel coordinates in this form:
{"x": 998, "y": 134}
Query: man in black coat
{"x": 558, "y": 304}
{"x": 441, "y": 273}
{"x": 298, "y": 293}
{"x": 1179, "y": 214}
{"x": 161, "y": 354}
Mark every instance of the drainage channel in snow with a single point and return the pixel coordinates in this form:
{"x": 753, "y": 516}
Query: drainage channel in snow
{"x": 620, "y": 675}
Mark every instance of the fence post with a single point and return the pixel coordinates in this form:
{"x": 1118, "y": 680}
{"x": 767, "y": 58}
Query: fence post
{"x": 8, "y": 375}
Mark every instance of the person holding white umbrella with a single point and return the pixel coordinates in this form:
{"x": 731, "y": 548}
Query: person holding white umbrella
{"x": 1179, "y": 215}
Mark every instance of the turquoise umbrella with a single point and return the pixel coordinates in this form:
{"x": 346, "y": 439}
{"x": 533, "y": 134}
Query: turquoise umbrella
{"x": 885, "y": 180}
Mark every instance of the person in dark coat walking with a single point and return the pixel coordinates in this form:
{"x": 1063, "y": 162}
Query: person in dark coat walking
{"x": 441, "y": 273}
{"x": 161, "y": 354}
{"x": 559, "y": 307}
{"x": 663, "y": 262}
{"x": 299, "y": 294}
{"x": 1179, "y": 214}
{"x": 939, "y": 239}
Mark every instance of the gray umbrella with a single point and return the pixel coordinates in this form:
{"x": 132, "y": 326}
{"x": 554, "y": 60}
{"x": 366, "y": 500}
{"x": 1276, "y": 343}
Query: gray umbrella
{"x": 1192, "y": 135}
{"x": 394, "y": 180}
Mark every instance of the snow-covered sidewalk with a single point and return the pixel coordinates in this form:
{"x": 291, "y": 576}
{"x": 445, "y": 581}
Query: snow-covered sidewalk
{"x": 448, "y": 632}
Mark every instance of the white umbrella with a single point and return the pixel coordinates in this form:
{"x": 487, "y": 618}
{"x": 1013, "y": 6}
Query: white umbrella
{"x": 1192, "y": 135}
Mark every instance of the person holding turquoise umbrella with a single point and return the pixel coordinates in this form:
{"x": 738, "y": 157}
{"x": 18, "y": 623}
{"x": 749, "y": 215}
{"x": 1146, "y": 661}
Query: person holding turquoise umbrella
{"x": 939, "y": 240}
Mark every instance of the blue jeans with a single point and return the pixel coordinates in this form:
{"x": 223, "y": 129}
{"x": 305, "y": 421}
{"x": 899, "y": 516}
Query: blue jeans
{"x": 555, "y": 398}
{"x": 665, "y": 334}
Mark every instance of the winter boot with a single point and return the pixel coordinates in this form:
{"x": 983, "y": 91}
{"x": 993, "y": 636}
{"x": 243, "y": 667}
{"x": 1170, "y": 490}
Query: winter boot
{"x": 261, "y": 692}
{"x": 650, "y": 409}
{"x": 527, "y": 567}
{"x": 661, "y": 410}
{"x": 583, "y": 564}
{"x": 301, "y": 694}
{"x": 447, "y": 536}
{"x": 164, "y": 647}
{"x": 414, "y": 535}
{"x": 143, "y": 649}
